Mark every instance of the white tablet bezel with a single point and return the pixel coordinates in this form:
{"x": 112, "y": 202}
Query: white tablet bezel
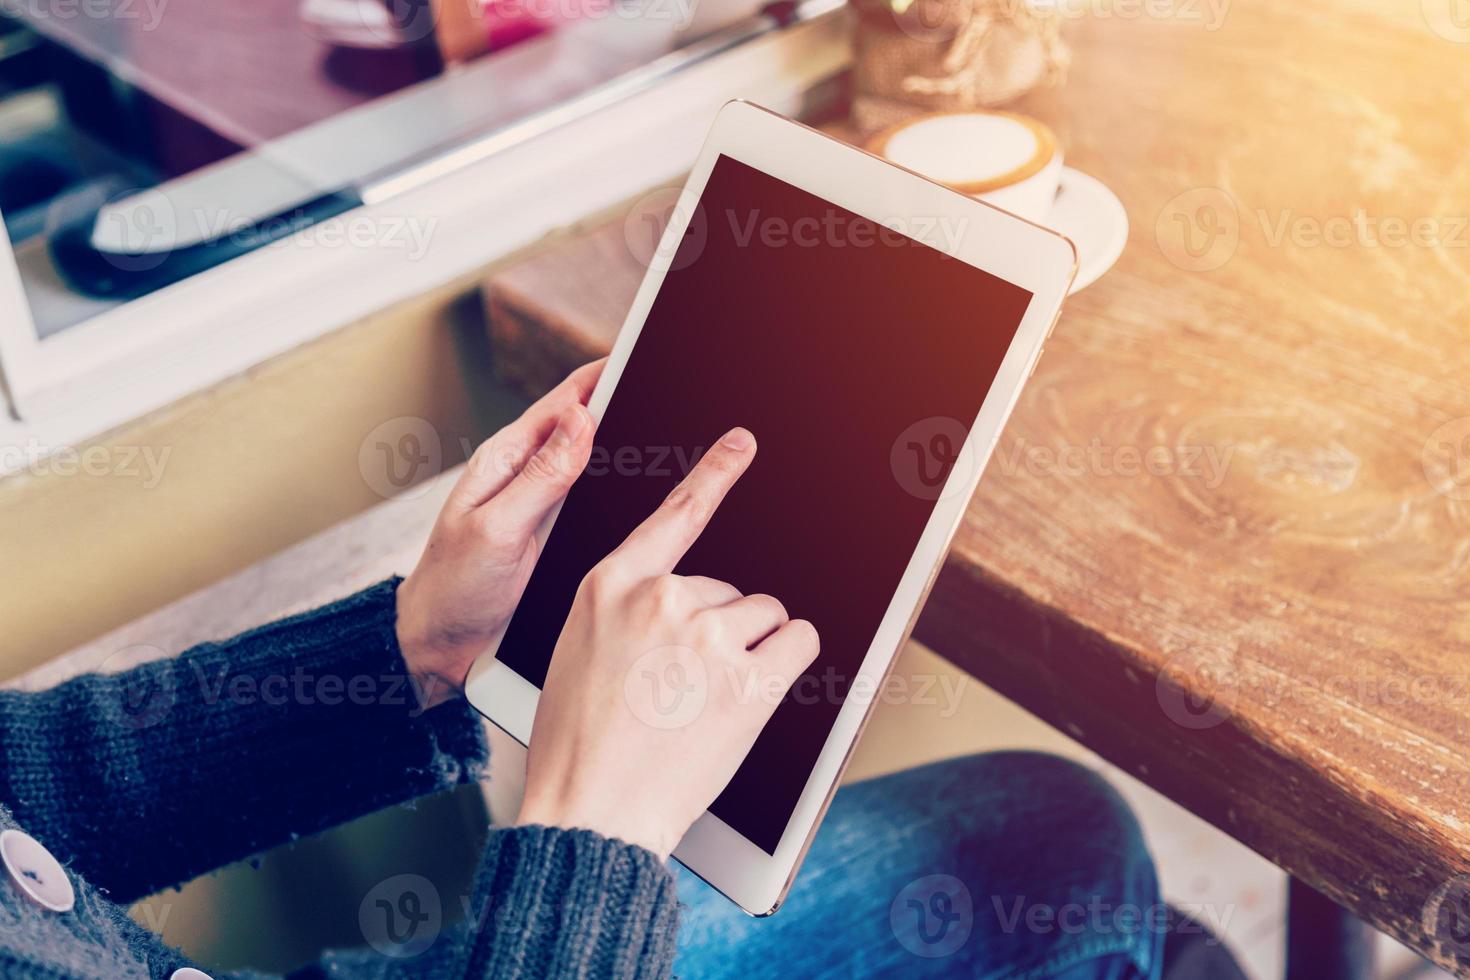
{"x": 1032, "y": 257}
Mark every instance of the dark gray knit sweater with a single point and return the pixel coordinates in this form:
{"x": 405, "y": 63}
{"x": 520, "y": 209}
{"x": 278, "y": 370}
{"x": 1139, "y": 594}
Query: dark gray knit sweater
{"x": 140, "y": 781}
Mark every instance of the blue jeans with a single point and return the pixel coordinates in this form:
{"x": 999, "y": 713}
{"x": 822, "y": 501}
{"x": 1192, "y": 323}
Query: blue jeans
{"x": 1011, "y": 865}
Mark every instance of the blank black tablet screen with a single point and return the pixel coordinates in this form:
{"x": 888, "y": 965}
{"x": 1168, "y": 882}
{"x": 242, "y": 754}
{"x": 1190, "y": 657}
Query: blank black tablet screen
{"x": 852, "y": 353}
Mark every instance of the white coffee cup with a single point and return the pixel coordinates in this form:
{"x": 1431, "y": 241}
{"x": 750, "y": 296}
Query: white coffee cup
{"x": 1005, "y": 159}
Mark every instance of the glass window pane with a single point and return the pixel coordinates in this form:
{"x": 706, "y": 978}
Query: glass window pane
{"x": 142, "y": 141}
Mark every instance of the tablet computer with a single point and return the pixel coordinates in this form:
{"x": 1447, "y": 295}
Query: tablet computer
{"x": 873, "y": 329}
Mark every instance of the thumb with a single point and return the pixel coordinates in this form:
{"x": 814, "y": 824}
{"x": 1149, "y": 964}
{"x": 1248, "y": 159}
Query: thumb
{"x": 523, "y": 504}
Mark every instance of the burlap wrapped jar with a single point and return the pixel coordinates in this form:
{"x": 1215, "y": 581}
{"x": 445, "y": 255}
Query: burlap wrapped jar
{"x": 951, "y": 54}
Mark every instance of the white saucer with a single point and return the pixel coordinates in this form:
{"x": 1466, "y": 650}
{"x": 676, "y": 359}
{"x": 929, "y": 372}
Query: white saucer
{"x": 1089, "y": 213}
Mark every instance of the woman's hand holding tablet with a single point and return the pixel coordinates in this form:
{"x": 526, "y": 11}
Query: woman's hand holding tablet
{"x": 873, "y": 329}
{"x": 461, "y": 594}
{"x": 702, "y": 668}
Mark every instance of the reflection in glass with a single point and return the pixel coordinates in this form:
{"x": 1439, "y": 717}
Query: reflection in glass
{"x": 142, "y": 141}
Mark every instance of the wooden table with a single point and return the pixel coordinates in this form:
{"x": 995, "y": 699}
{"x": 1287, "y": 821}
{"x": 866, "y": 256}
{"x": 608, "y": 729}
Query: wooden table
{"x": 1271, "y": 626}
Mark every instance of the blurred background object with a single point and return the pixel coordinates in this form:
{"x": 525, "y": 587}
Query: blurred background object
{"x": 376, "y": 25}
{"x": 951, "y": 54}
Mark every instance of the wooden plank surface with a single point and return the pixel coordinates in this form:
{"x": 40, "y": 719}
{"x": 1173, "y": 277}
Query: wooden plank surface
{"x": 1270, "y": 622}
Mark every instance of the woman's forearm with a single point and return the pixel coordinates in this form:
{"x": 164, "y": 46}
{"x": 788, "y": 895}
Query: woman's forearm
{"x": 145, "y": 779}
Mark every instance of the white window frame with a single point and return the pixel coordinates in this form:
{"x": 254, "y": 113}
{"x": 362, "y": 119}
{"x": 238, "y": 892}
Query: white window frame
{"x": 483, "y": 201}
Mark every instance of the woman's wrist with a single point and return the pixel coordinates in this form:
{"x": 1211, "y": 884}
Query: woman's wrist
{"x": 429, "y": 665}
{"x": 474, "y": 567}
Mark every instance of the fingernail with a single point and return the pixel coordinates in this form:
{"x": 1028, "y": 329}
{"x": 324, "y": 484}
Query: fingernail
{"x": 571, "y": 423}
{"x": 738, "y": 439}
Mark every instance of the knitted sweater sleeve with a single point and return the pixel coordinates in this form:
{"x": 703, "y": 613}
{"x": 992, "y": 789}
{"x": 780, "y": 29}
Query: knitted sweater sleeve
{"x": 548, "y": 904}
{"x": 148, "y": 778}
{"x": 559, "y": 903}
